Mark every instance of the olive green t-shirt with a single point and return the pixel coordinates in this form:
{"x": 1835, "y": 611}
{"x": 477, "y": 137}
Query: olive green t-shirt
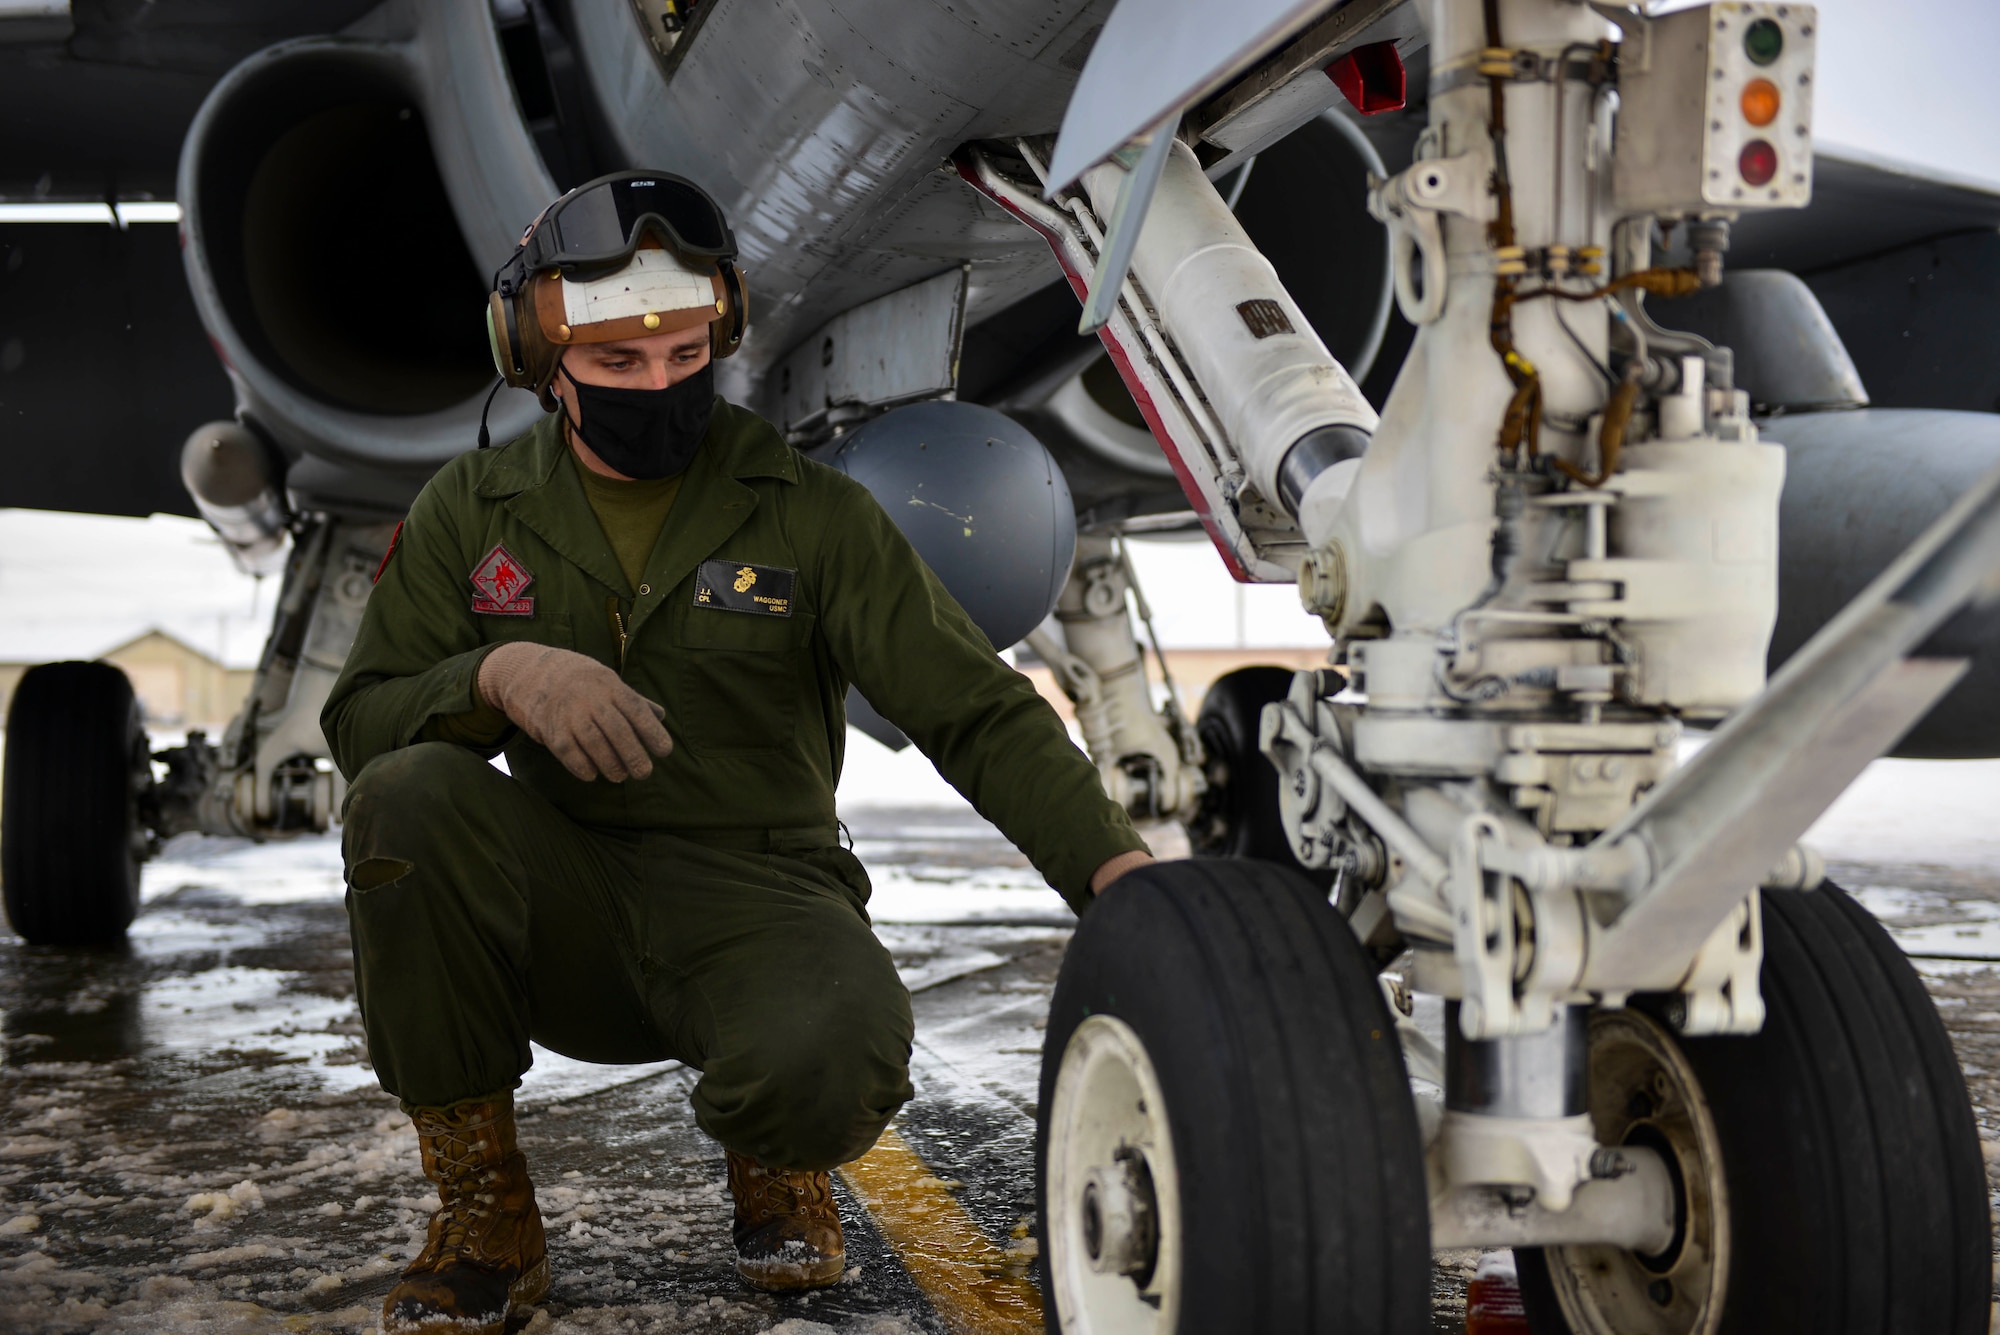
{"x": 631, "y": 513}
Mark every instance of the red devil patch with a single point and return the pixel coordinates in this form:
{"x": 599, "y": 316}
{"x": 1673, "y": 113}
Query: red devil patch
{"x": 501, "y": 580}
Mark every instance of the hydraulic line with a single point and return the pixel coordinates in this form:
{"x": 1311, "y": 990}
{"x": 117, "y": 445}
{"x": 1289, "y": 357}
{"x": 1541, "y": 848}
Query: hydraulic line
{"x": 1522, "y": 420}
{"x": 1610, "y": 433}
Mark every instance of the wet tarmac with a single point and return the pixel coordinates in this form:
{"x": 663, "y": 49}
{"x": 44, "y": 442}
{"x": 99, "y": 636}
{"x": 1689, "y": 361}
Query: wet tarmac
{"x": 191, "y": 1139}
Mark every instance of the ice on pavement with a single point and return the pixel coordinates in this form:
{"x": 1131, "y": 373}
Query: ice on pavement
{"x": 236, "y": 1168}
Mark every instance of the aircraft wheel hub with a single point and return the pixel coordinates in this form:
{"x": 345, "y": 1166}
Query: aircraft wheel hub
{"x": 1643, "y": 1092}
{"x": 1113, "y": 1203}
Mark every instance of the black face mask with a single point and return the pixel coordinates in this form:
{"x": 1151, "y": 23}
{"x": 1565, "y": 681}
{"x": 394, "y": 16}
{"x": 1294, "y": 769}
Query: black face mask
{"x": 645, "y": 433}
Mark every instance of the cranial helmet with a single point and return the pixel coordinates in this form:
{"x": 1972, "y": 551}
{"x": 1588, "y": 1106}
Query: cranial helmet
{"x": 626, "y": 255}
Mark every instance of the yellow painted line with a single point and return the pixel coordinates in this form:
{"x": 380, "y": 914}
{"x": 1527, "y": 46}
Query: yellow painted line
{"x": 975, "y": 1287}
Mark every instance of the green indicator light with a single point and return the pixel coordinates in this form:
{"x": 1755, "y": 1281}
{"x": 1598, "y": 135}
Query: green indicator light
{"x": 1763, "y": 41}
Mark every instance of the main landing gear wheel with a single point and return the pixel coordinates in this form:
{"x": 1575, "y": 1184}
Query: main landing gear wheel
{"x": 1227, "y": 1139}
{"x": 1830, "y": 1172}
{"x": 70, "y": 838}
{"x": 1239, "y": 816}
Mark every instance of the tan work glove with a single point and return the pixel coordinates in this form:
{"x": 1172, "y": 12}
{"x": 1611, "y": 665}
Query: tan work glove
{"x": 581, "y": 710}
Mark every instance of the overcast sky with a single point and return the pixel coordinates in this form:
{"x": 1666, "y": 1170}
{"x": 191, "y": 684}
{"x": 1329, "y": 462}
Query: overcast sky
{"x": 1911, "y": 79}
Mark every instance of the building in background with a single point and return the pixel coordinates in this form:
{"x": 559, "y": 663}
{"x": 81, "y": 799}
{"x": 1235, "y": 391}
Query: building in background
{"x": 179, "y": 686}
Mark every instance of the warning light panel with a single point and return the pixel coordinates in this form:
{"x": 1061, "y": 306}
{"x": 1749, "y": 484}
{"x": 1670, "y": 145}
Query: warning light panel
{"x": 1715, "y": 110}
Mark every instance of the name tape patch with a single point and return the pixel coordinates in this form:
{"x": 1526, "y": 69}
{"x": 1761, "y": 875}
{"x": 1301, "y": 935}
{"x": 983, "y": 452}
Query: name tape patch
{"x": 736, "y": 587}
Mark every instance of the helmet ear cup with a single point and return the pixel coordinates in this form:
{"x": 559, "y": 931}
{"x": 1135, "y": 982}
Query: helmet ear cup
{"x": 503, "y": 341}
{"x": 521, "y": 352}
{"x": 726, "y": 334}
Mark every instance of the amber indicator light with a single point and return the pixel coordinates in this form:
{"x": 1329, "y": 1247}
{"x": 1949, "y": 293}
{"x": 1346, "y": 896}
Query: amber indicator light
{"x": 1760, "y": 101}
{"x": 1758, "y": 162}
{"x": 1763, "y": 41}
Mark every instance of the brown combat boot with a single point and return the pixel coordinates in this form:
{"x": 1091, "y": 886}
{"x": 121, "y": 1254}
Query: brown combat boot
{"x": 787, "y": 1230}
{"x": 486, "y": 1255}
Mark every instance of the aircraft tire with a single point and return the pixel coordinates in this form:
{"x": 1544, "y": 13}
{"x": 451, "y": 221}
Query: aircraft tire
{"x": 1239, "y": 813}
{"x": 1851, "y": 1195}
{"x": 1219, "y": 1018}
{"x": 70, "y": 844}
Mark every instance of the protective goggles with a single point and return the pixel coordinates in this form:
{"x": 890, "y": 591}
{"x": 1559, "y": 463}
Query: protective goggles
{"x": 598, "y": 225}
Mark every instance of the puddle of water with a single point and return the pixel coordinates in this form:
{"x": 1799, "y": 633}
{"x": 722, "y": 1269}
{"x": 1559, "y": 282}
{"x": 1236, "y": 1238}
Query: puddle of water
{"x": 93, "y": 1029}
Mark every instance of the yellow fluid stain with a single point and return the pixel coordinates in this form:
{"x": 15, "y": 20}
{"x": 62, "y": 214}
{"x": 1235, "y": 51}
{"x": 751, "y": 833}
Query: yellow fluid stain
{"x": 974, "y": 1286}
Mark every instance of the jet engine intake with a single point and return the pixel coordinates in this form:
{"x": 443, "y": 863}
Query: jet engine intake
{"x": 343, "y": 201}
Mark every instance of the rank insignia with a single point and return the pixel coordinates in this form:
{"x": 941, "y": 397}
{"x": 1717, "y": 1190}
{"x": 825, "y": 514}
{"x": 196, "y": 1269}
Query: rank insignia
{"x": 736, "y": 587}
{"x": 501, "y": 580}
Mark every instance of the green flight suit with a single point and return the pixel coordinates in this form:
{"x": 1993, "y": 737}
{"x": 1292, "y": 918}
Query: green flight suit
{"x": 707, "y": 912}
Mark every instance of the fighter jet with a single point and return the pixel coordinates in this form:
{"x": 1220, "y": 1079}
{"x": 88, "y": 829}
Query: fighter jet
{"x": 1581, "y": 397}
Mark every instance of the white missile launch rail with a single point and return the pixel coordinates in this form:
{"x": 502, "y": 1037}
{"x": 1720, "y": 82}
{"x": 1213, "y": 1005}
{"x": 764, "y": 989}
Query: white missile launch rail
{"x": 1556, "y": 547}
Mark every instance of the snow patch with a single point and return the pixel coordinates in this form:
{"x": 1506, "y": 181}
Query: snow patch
{"x": 217, "y": 1207}
{"x": 24, "y": 1147}
{"x": 251, "y": 1251}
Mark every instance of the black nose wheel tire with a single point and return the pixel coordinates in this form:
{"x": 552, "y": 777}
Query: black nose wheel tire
{"x": 70, "y": 838}
{"x": 1238, "y": 816}
{"x": 1227, "y": 1140}
{"x": 1830, "y": 1168}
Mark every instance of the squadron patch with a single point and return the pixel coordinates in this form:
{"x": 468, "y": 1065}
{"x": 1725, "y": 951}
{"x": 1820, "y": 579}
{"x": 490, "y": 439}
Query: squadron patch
{"x": 501, "y": 580}
{"x": 736, "y": 587}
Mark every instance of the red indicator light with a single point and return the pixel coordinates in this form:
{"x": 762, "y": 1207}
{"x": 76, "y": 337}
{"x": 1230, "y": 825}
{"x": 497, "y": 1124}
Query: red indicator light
{"x": 1760, "y": 101}
{"x": 1372, "y": 77}
{"x": 1758, "y": 162}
